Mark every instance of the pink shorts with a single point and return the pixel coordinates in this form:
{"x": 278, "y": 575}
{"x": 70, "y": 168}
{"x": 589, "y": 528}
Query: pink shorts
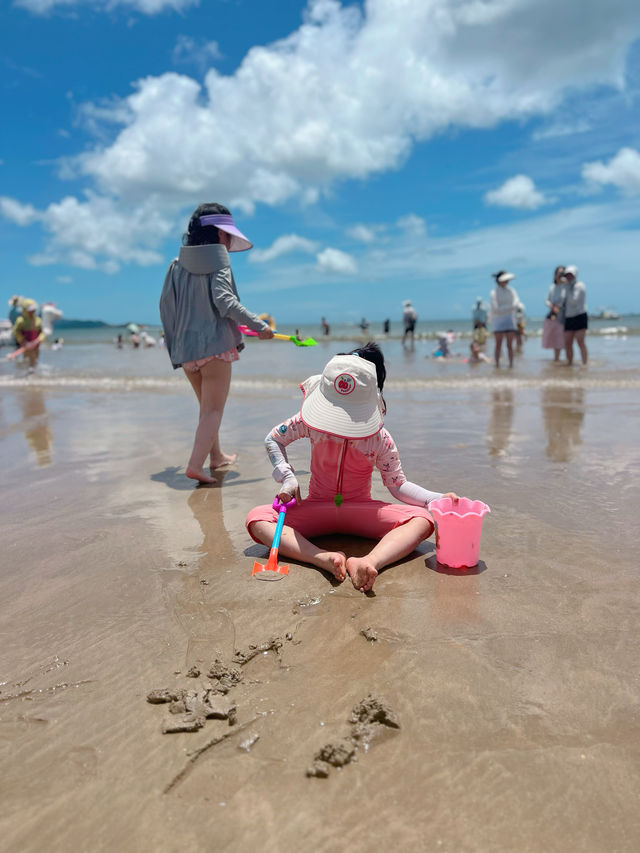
{"x": 194, "y": 366}
{"x": 371, "y": 519}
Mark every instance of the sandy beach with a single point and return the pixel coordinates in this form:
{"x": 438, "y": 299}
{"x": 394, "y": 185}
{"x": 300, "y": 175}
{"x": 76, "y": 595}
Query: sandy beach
{"x": 516, "y": 686}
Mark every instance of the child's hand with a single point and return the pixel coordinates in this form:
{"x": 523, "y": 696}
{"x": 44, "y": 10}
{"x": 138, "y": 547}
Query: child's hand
{"x": 285, "y": 497}
{"x": 265, "y": 334}
{"x": 455, "y": 498}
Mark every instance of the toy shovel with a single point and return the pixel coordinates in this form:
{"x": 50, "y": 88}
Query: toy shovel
{"x": 307, "y": 342}
{"x": 272, "y": 571}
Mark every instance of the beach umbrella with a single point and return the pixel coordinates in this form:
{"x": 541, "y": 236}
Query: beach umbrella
{"x": 134, "y": 328}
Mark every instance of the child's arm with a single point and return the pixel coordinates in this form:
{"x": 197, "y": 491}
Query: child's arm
{"x": 226, "y": 301}
{"x": 275, "y": 443}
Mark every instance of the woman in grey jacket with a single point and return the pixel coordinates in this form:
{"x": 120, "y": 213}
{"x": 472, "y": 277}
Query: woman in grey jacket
{"x": 200, "y": 313}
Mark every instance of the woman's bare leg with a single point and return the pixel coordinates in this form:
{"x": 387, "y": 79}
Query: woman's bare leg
{"x": 393, "y": 546}
{"x": 568, "y": 346}
{"x": 211, "y": 385}
{"x": 498, "y": 336}
{"x": 510, "y": 338}
{"x": 296, "y": 547}
{"x": 580, "y": 338}
{"x": 556, "y": 354}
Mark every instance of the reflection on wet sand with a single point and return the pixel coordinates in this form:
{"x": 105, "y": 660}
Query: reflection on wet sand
{"x": 500, "y": 422}
{"x": 563, "y": 412}
{"x": 36, "y": 425}
{"x": 208, "y": 627}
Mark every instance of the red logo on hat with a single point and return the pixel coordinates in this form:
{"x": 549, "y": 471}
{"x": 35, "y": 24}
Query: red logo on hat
{"x": 344, "y": 383}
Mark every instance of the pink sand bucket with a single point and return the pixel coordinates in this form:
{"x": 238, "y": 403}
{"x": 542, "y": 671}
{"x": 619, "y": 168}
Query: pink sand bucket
{"x": 458, "y": 531}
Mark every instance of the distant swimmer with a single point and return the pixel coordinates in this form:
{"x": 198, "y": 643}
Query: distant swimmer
{"x": 325, "y": 326}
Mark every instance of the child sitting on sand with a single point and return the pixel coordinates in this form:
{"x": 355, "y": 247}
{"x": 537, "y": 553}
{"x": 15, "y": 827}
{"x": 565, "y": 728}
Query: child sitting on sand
{"x": 342, "y": 416}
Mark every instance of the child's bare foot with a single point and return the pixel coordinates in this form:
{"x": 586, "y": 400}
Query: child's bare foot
{"x": 222, "y": 460}
{"x": 198, "y": 474}
{"x": 362, "y": 573}
{"x": 333, "y": 562}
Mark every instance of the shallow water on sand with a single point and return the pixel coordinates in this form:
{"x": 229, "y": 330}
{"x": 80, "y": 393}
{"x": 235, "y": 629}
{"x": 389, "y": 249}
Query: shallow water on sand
{"x": 515, "y": 684}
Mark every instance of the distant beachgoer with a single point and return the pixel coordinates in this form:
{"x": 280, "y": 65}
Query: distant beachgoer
{"x": 57, "y": 344}
{"x": 119, "y": 342}
{"x": 478, "y": 342}
{"x": 409, "y": 320}
{"x": 15, "y": 311}
{"x": 553, "y": 327}
{"x": 386, "y": 326}
{"x": 49, "y": 313}
{"x": 480, "y": 312}
{"x": 443, "y": 350}
{"x": 575, "y": 315}
{"x": 504, "y": 300}
{"x": 134, "y": 338}
{"x": 325, "y": 326}
{"x": 342, "y": 416}
{"x": 27, "y": 331}
{"x": 269, "y": 320}
{"x": 200, "y": 312}
{"x": 364, "y": 324}
{"x": 147, "y": 339}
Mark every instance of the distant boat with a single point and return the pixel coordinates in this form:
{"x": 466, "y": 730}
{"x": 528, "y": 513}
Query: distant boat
{"x": 605, "y": 314}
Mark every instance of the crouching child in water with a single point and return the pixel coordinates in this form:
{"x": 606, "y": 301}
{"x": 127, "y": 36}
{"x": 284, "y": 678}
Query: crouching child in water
{"x": 342, "y": 416}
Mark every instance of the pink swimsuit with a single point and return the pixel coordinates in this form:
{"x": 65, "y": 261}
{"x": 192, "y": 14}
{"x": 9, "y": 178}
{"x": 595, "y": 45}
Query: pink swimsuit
{"x": 339, "y": 498}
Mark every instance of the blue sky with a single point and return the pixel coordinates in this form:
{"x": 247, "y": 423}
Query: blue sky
{"x": 372, "y": 151}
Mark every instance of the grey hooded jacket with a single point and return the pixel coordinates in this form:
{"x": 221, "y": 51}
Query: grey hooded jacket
{"x": 199, "y": 306}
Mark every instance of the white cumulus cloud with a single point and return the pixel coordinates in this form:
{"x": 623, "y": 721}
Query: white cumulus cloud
{"x": 519, "y": 192}
{"x": 283, "y": 246}
{"x": 15, "y": 211}
{"x": 346, "y": 95}
{"x": 622, "y": 171}
{"x": 335, "y": 261}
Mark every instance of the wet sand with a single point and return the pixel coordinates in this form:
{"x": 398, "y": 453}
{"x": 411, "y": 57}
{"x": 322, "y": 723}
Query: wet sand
{"x": 516, "y": 686}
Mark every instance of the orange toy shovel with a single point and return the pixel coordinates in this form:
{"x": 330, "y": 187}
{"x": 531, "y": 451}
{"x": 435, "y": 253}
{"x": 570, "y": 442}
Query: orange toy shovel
{"x": 272, "y": 571}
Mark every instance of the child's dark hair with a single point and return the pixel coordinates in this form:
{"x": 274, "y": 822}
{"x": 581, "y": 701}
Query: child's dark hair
{"x": 203, "y": 235}
{"x": 372, "y": 352}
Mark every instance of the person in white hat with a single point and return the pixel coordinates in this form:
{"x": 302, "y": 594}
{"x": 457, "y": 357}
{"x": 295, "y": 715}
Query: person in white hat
{"x": 342, "y": 415}
{"x": 200, "y": 313}
{"x": 575, "y": 315}
{"x": 28, "y": 332}
{"x": 504, "y": 301}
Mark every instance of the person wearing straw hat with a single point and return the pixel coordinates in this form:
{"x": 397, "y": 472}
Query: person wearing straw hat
{"x": 200, "y": 312}
{"x": 504, "y": 301}
{"x": 342, "y": 416}
{"x": 28, "y": 333}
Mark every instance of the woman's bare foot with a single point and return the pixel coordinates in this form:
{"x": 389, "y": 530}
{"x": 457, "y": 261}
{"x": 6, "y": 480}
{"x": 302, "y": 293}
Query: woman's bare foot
{"x": 222, "y": 460}
{"x": 333, "y": 562}
{"x": 362, "y": 573}
{"x": 198, "y": 474}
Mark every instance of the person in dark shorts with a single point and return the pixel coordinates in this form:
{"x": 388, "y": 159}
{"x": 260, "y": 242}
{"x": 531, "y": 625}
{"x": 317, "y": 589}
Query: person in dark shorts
{"x": 575, "y": 315}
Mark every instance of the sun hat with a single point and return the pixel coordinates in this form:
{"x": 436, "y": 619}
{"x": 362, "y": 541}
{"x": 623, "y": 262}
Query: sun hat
{"x": 503, "y": 276}
{"x": 571, "y": 270}
{"x": 29, "y": 305}
{"x": 345, "y": 399}
{"x": 14, "y": 299}
{"x": 406, "y": 302}
{"x": 224, "y": 222}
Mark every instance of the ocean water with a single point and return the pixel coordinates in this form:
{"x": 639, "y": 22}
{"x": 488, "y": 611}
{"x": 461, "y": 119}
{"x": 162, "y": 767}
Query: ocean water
{"x": 89, "y": 360}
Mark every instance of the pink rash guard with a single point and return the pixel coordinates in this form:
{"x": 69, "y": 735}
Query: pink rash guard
{"x": 340, "y": 486}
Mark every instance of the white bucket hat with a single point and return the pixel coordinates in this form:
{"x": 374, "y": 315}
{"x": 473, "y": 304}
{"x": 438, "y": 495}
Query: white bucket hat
{"x": 503, "y": 276}
{"x": 571, "y": 270}
{"x": 344, "y": 400}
